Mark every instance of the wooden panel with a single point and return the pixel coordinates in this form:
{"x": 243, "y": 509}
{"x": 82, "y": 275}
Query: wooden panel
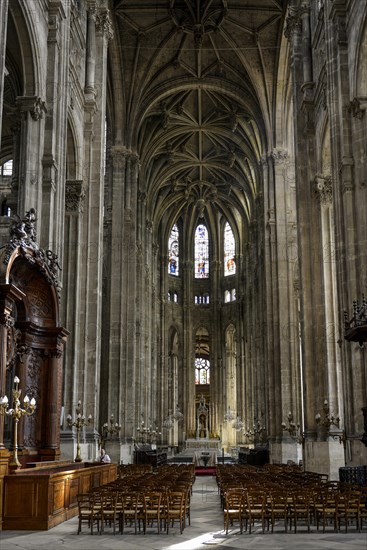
{"x": 41, "y": 501}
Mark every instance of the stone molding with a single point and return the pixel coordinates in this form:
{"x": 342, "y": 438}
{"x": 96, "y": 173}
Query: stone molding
{"x": 279, "y": 156}
{"x": 74, "y": 196}
{"x": 323, "y": 186}
{"x": 103, "y": 22}
{"x": 33, "y": 105}
{"x": 357, "y": 107}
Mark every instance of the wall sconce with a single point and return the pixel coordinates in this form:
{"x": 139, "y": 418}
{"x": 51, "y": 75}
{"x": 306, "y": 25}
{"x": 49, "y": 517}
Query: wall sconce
{"x": 109, "y": 429}
{"x": 172, "y": 417}
{"x": 148, "y": 434}
{"x": 168, "y": 422}
{"x": 328, "y": 420}
{"x": 229, "y": 415}
{"x": 79, "y": 423}
{"x": 237, "y": 424}
{"x": 16, "y": 413}
{"x": 331, "y": 420}
{"x": 256, "y": 431}
{"x": 177, "y": 415}
{"x": 292, "y": 428}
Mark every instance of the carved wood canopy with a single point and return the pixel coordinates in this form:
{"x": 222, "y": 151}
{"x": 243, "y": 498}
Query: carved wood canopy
{"x": 31, "y": 339}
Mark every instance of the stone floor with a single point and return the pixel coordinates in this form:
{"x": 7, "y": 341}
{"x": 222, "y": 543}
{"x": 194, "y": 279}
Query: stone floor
{"x": 205, "y": 532}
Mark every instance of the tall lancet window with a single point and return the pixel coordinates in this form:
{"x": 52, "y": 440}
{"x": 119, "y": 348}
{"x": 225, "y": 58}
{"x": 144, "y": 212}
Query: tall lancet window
{"x": 201, "y": 252}
{"x": 229, "y": 251}
{"x": 173, "y": 251}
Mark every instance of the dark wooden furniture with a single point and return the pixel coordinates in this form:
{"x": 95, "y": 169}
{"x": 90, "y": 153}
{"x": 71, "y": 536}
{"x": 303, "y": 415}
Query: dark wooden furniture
{"x": 146, "y": 455}
{"x": 255, "y": 457}
{"x": 41, "y": 497}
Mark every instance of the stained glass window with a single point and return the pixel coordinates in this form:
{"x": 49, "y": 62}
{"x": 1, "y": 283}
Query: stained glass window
{"x": 202, "y": 371}
{"x": 229, "y": 251}
{"x": 173, "y": 251}
{"x": 6, "y": 169}
{"x": 201, "y": 252}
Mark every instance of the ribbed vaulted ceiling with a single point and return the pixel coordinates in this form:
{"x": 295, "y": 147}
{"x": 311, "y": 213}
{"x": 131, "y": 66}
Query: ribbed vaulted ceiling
{"x": 198, "y": 79}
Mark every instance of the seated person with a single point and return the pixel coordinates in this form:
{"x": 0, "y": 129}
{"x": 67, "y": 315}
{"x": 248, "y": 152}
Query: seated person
{"x": 104, "y": 457}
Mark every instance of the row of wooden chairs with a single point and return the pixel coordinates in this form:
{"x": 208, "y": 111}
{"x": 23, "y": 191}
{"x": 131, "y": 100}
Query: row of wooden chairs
{"x": 251, "y": 495}
{"x": 139, "y": 499}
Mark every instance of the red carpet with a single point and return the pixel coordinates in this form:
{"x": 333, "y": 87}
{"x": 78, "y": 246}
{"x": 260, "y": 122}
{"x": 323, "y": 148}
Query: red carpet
{"x": 209, "y": 471}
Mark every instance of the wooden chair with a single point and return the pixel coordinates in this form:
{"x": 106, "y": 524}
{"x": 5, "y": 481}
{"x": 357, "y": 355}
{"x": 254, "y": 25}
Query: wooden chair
{"x": 325, "y": 509}
{"x": 233, "y": 508}
{"x": 256, "y": 509}
{"x": 153, "y": 508}
{"x": 348, "y": 509}
{"x": 108, "y": 511}
{"x": 362, "y": 506}
{"x": 187, "y": 488}
{"x": 300, "y": 509}
{"x": 85, "y": 509}
{"x": 131, "y": 510}
{"x": 174, "y": 509}
{"x": 277, "y": 508}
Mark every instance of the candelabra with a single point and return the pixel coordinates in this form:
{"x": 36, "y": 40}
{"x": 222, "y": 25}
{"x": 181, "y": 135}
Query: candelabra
{"x": 148, "y": 434}
{"x": 237, "y": 424}
{"x": 255, "y": 432}
{"x": 229, "y": 415}
{"x": 328, "y": 420}
{"x": 292, "y": 428}
{"x": 168, "y": 422}
{"x": 79, "y": 423}
{"x": 172, "y": 417}
{"x": 16, "y": 413}
{"x": 177, "y": 415}
{"x": 109, "y": 429}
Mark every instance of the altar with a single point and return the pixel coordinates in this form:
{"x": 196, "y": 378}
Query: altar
{"x": 203, "y": 444}
{"x": 205, "y": 458}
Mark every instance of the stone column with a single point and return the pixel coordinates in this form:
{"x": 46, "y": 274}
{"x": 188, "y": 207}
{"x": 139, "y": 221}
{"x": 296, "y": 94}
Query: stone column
{"x": 32, "y": 110}
{"x": 3, "y": 34}
{"x": 90, "y": 282}
{"x": 312, "y": 320}
{"x": 53, "y": 160}
{"x": 90, "y": 68}
{"x": 71, "y": 274}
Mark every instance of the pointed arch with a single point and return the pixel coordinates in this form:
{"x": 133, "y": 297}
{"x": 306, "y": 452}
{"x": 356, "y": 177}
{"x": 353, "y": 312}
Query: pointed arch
{"x": 229, "y": 250}
{"x": 201, "y": 251}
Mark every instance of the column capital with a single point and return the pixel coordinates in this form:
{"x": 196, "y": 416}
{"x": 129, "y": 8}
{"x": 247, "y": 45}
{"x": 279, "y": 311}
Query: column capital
{"x": 357, "y": 107}
{"x": 101, "y": 16}
{"x": 33, "y": 105}
{"x": 279, "y": 156}
{"x": 293, "y": 23}
{"x": 323, "y": 186}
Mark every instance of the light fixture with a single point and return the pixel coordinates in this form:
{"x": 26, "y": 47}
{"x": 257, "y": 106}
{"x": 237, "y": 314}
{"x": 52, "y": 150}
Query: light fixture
{"x": 229, "y": 415}
{"x": 256, "y": 431}
{"x": 168, "y": 422}
{"x": 79, "y": 423}
{"x": 147, "y": 434}
{"x": 109, "y": 429}
{"x": 29, "y": 407}
{"x": 292, "y": 428}
{"x": 237, "y": 424}
{"x": 177, "y": 415}
{"x": 328, "y": 420}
